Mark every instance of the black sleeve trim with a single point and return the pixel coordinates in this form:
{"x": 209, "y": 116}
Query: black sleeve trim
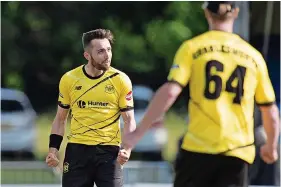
{"x": 126, "y": 109}
{"x": 173, "y": 81}
{"x": 63, "y": 105}
{"x": 266, "y": 104}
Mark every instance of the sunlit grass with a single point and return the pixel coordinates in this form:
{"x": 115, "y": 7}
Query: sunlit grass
{"x": 176, "y": 127}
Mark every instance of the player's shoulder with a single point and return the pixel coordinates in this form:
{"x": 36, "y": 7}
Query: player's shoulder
{"x": 205, "y": 36}
{"x": 195, "y": 41}
{"x": 121, "y": 74}
{"x": 73, "y": 74}
{"x": 200, "y": 36}
{"x": 251, "y": 49}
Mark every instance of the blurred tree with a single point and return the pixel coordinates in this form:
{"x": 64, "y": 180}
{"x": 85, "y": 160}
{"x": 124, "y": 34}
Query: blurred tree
{"x": 41, "y": 41}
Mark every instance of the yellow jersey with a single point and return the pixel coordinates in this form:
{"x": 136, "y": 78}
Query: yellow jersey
{"x": 96, "y": 104}
{"x": 225, "y": 75}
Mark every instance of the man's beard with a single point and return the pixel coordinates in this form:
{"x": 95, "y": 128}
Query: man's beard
{"x": 100, "y": 66}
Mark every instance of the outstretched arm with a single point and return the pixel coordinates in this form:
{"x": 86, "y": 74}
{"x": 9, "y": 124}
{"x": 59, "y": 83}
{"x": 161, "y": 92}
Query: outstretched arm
{"x": 161, "y": 102}
{"x": 166, "y": 95}
{"x": 164, "y": 98}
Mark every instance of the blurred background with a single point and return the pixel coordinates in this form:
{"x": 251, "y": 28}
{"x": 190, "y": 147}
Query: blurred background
{"x": 42, "y": 40}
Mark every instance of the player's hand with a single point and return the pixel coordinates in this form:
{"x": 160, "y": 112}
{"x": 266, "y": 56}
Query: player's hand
{"x": 268, "y": 153}
{"x": 52, "y": 158}
{"x": 123, "y": 156}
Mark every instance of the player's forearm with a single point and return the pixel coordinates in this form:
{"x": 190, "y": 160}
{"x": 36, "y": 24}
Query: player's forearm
{"x": 56, "y": 136}
{"x": 58, "y": 127}
{"x": 129, "y": 126}
{"x": 161, "y": 102}
{"x": 270, "y": 117}
{"x": 129, "y": 121}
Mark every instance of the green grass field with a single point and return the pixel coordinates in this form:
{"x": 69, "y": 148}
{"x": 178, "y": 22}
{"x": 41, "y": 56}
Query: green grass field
{"x": 28, "y": 177}
{"x": 174, "y": 123}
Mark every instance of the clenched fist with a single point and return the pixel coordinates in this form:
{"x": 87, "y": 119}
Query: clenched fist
{"x": 123, "y": 156}
{"x": 52, "y": 158}
{"x": 269, "y": 154}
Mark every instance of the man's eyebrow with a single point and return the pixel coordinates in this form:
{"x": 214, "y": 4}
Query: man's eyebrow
{"x": 100, "y": 49}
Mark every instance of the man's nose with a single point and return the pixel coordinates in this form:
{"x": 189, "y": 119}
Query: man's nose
{"x": 106, "y": 55}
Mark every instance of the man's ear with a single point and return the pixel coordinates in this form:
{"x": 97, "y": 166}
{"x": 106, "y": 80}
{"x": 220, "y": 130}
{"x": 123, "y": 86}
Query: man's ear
{"x": 87, "y": 55}
{"x": 236, "y": 12}
{"x": 208, "y": 16}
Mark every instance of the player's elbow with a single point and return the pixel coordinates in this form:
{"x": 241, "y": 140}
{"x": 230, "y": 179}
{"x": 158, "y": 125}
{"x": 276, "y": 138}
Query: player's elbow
{"x": 270, "y": 112}
{"x": 171, "y": 90}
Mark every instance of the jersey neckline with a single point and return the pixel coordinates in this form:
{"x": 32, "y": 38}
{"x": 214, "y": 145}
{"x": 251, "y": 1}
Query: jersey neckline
{"x": 224, "y": 32}
{"x": 89, "y": 76}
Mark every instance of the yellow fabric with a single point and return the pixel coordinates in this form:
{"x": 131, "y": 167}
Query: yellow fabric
{"x": 224, "y": 74}
{"x": 96, "y": 105}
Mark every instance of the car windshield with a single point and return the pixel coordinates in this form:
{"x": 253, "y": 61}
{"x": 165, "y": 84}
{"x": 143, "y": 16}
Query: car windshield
{"x": 11, "y": 106}
{"x": 140, "y": 104}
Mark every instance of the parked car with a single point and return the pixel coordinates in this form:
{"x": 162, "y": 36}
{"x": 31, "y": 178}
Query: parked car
{"x": 17, "y": 125}
{"x": 151, "y": 145}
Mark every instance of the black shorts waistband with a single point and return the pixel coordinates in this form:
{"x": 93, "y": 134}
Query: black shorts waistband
{"x": 109, "y": 148}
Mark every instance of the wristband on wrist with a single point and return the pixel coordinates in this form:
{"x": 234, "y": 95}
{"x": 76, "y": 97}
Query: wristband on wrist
{"x": 55, "y": 141}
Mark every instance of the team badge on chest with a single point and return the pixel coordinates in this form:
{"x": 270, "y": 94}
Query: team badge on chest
{"x": 109, "y": 89}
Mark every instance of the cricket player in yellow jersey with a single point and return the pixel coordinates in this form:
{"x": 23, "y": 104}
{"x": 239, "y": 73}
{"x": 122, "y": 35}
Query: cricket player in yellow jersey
{"x": 97, "y": 95}
{"x": 226, "y": 75}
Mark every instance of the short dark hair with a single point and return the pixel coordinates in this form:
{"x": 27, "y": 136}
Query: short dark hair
{"x": 96, "y": 34}
{"x": 221, "y": 9}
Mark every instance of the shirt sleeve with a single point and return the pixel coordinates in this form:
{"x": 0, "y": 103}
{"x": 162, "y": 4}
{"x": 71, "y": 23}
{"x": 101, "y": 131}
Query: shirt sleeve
{"x": 64, "y": 100}
{"x": 264, "y": 91}
{"x": 126, "y": 101}
{"x": 181, "y": 68}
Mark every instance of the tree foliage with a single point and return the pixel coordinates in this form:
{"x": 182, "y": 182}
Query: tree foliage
{"x": 42, "y": 40}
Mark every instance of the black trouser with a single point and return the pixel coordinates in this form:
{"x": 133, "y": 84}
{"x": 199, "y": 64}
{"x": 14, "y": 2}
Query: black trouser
{"x": 206, "y": 170}
{"x": 85, "y": 165}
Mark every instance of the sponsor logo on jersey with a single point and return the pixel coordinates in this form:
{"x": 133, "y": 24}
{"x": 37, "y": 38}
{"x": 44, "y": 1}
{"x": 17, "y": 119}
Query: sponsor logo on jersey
{"x": 82, "y": 104}
{"x": 95, "y": 103}
{"x": 129, "y": 96}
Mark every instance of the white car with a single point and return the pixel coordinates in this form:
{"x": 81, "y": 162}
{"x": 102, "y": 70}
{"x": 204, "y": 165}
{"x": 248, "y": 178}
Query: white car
{"x": 17, "y": 124}
{"x": 151, "y": 145}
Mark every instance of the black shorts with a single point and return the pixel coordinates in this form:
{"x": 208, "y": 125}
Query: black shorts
{"x": 85, "y": 165}
{"x": 202, "y": 170}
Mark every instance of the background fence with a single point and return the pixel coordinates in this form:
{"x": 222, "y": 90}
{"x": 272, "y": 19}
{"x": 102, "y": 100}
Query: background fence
{"x": 38, "y": 174}
{"x": 27, "y": 172}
